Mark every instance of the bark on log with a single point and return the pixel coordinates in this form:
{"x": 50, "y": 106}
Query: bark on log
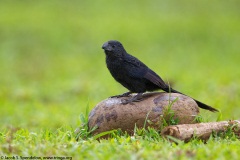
{"x": 203, "y": 131}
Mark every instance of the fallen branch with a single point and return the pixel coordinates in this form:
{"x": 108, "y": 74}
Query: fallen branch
{"x": 200, "y": 130}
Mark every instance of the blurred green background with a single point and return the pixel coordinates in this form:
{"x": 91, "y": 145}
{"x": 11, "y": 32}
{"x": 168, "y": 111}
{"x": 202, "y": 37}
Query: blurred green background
{"x": 52, "y": 64}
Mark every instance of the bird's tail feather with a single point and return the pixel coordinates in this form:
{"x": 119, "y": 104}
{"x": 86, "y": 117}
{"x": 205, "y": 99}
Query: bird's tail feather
{"x": 204, "y": 106}
{"x": 200, "y": 104}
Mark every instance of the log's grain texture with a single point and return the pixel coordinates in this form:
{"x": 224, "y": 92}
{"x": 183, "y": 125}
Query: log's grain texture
{"x": 201, "y": 130}
{"x": 112, "y": 114}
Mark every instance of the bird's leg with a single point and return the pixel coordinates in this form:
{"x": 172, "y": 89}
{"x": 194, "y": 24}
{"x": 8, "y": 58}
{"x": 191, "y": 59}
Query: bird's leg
{"x": 122, "y": 95}
{"x": 136, "y": 98}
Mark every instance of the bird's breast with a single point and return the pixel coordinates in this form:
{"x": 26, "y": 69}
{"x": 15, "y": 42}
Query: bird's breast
{"x": 116, "y": 68}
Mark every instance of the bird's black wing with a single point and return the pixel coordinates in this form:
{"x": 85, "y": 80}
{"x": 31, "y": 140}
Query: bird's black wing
{"x": 154, "y": 78}
{"x": 137, "y": 69}
{"x": 134, "y": 67}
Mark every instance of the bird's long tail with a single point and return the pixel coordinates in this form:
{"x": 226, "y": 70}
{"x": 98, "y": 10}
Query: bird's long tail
{"x": 200, "y": 104}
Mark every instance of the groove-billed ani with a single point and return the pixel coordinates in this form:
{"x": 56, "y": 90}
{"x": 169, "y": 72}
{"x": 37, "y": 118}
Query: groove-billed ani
{"x": 135, "y": 75}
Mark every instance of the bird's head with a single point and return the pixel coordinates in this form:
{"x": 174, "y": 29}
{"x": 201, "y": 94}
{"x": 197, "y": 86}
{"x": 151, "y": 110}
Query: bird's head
{"x": 113, "y": 48}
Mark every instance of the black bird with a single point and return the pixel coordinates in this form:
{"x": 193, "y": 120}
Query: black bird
{"x": 135, "y": 75}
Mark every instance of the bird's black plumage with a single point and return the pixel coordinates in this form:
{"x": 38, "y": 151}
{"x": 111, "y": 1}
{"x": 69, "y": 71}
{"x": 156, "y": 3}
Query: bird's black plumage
{"x": 135, "y": 75}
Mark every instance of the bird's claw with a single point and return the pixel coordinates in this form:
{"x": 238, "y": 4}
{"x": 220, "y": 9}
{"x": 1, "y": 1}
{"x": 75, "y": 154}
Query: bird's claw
{"x": 121, "y": 95}
{"x": 116, "y": 96}
{"x": 134, "y": 99}
{"x": 124, "y": 102}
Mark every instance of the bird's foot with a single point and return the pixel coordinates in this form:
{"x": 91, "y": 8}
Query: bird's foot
{"x": 136, "y": 98}
{"x": 122, "y": 95}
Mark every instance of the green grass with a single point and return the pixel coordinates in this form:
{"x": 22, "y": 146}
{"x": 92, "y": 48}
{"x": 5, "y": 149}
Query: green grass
{"x": 52, "y": 66}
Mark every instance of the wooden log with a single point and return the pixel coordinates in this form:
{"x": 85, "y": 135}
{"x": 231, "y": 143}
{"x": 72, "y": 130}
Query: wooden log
{"x": 202, "y": 131}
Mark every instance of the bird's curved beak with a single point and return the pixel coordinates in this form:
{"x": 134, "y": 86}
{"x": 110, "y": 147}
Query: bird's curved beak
{"x": 106, "y": 47}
